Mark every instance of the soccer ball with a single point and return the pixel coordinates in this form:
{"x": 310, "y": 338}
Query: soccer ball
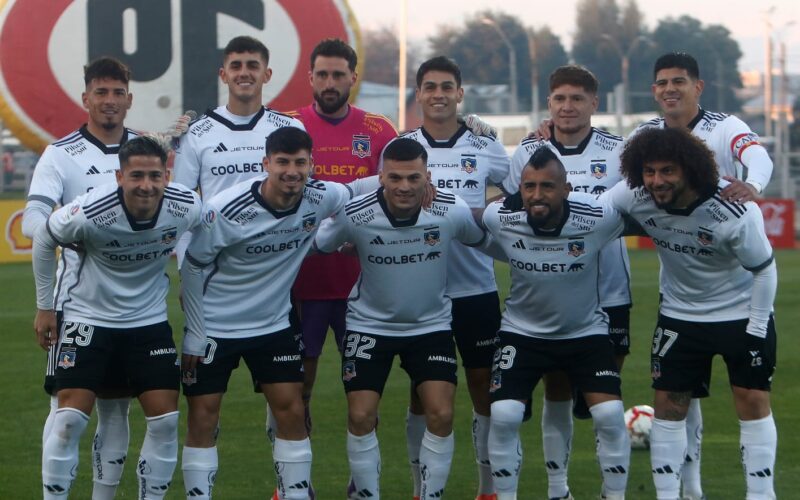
{"x": 639, "y": 421}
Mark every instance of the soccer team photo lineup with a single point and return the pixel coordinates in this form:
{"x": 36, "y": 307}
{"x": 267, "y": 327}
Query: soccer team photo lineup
{"x": 266, "y": 233}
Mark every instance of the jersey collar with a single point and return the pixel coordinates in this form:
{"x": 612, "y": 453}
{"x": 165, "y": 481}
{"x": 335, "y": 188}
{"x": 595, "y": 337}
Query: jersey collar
{"x": 433, "y": 143}
{"x": 394, "y": 222}
{"x": 245, "y": 126}
{"x": 108, "y": 150}
{"x": 692, "y": 124}
{"x": 255, "y": 190}
{"x": 136, "y": 226}
{"x": 685, "y": 212}
{"x": 556, "y": 231}
{"x": 565, "y": 151}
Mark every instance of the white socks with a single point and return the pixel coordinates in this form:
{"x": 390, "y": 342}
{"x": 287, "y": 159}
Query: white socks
{"x": 110, "y": 446}
{"x": 690, "y": 475}
{"x": 292, "y": 467}
{"x": 158, "y": 456}
{"x": 365, "y": 464}
{"x": 667, "y": 451}
{"x": 759, "y": 441}
{"x": 505, "y": 450}
{"x": 60, "y": 452}
{"x": 480, "y": 441}
{"x": 415, "y": 429}
{"x": 556, "y": 445}
{"x": 613, "y": 446}
{"x": 199, "y": 471}
{"x": 48, "y": 423}
{"x": 435, "y": 458}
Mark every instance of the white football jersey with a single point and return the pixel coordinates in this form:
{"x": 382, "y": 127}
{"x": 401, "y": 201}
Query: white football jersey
{"x": 121, "y": 280}
{"x": 401, "y": 290}
{"x": 465, "y": 165}
{"x": 728, "y": 137}
{"x": 251, "y": 254}
{"x": 592, "y": 167}
{"x": 68, "y": 168}
{"x": 707, "y": 252}
{"x": 221, "y": 149}
{"x": 554, "y": 274}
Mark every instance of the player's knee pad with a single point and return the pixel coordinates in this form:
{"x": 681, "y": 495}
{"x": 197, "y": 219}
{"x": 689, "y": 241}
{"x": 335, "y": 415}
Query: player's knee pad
{"x": 609, "y": 419}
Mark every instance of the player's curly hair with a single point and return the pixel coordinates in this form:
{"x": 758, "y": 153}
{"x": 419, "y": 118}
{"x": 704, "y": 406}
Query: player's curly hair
{"x": 334, "y": 47}
{"x": 673, "y": 145}
{"x": 106, "y": 67}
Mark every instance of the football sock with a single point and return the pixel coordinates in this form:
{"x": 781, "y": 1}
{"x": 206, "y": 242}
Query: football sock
{"x": 199, "y": 471}
{"x": 690, "y": 475}
{"x": 505, "y": 449}
{"x": 158, "y": 456}
{"x": 480, "y": 440}
{"x": 435, "y": 458}
{"x": 556, "y": 444}
{"x": 60, "y": 453}
{"x": 667, "y": 451}
{"x": 48, "y": 423}
{"x": 293, "y": 467}
{"x": 110, "y": 446}
{"x": 415, "y": 429}
{"x": 364, "y": 456}
{"x": 613, "y": 445}
{"x": 759, "y": 440}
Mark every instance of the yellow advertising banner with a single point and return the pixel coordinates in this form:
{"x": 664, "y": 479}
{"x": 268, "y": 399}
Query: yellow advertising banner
{"x": 15, "y": 247}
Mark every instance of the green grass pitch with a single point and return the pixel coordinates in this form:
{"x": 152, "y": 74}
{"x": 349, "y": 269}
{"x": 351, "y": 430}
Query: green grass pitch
{"x": 245, "y": 463}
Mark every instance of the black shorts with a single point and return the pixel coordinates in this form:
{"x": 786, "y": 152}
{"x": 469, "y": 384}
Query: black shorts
{"x": 520, "y": 361}
{"x": 271, "y": 358}
{"x": 683, "y": 350}
{"x": 142, "y": 359}
{"x": 476, "y": 320}
{"x": 367, "y": 359}
{"x": 619, "y": 328}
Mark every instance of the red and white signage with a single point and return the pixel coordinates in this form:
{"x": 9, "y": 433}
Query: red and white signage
{"x": 173, "y": 47}
{"x": 778, "y": 221}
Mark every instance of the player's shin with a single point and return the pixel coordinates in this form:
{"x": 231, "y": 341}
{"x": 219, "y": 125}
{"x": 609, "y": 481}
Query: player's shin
{"x": 435, "y": 457}
{"x": 158, "y": 456}
{"x": 292, "y": 467}
{"x": 60, "y": 453}
{"x": 110, "y": 446}
{"x": 415, "y": 429}
{"x": 690, "y": 475}
{"x": 505, "y": 449}
{"x": 667, "y": 450}
{"x": 199, "y": 471}
{"x": 556, "y": 445}
{"x": 613, "y": 446}
{"x": 480, "y": 441}
{"x": 364, "y": 456}
{"x": 758, "y": 439}
{"x": 51, "y": 416}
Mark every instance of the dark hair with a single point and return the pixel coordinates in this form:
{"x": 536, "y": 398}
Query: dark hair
{"x": 287, "y": 140}
{"x": 573, "y": 74}
{"x": 242, "y": 44}
{"x": 404, "y": 149}
{"x": 674, "y": 145}
{"x": 334, "y": 47}
{"x": 439, "y": 63}
{"x": 680, "y": 60}
{"x": 542, "y": 157}
{"x": 143, "y": 145}
{"x": 106, "y": 67}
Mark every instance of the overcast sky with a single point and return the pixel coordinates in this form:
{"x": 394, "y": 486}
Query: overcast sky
{"x": 745, "y": 19}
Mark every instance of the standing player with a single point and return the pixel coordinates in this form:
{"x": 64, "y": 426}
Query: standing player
{"x": 68, "y": 168}
{"x": 465, "y": 163}
{"x": 552, "y": 238}
{"x": 403, "y": 251}
{"x": 677, "y": 89}
{"x": 116, "y": 317}
{"x": 245, "y": 256}
{"x": 347, "y": 146}
{"x": 591, "y": 158}
{"x": 717, "y": 284}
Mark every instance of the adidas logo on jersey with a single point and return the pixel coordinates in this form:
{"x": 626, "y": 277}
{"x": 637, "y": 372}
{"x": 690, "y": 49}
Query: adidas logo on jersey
{"x": 650, "y": 222}
{"x": 113, "y": 244}
{"x": 519, "y": 244}
{"x": 377, "y": 241}
{"x": 92, "y": 170}
{"x": 220, "y": 148}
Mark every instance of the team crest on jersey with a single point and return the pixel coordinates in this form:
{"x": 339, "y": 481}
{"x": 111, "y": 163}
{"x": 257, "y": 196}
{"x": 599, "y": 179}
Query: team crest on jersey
{"x": 209, "y": 218}
{"x": 655, "y": 369}
{"x": 598, "y": 170}
{"x": 576, "y": 248}
{"x": 349, "y": 371}
{"x": 361, "y": 146}
{"x": 309, "y": 223}
{"x": 496, "y": 382}
{"x": 169, "y": 235}
{"x": 66, "y": 358}
{"x": 469, "y": 163}
{"x": 431, "y": 236}
{"x": 705, "y": 237}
